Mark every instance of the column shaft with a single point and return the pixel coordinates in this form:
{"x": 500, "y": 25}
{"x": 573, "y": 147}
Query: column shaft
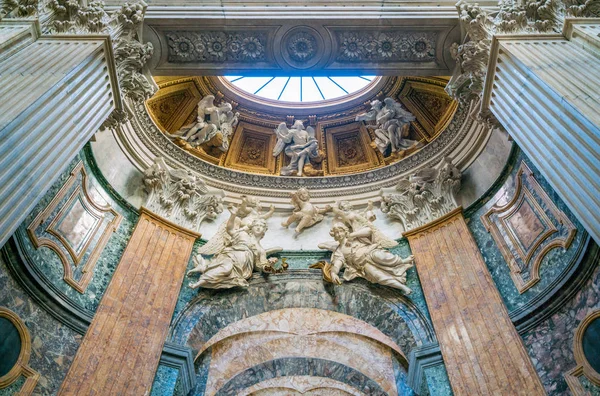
{"x": 545, "y": 91}
{"x": 122, "y": 347}
{"x": 57, "y": 91}
{"x": 482, "y": 350}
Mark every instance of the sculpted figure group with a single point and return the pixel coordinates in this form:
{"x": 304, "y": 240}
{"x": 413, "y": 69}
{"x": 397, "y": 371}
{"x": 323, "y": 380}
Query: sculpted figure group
{"x": 358, "y": 247}
{"x": 391, "y": 127}
{"x": 214, "y": 123}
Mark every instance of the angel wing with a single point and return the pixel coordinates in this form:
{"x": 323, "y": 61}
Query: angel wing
{"x": 368, "y": 116}
{"x": 311, "y": 132}
{"x": 283, "y": 137}
{"x": 218, "y": 242}
{"x": 329, "y": 245}
{"x": 382, "y": 239}
{"x": 401, "y": 114}
{"x": 273, "y": 250}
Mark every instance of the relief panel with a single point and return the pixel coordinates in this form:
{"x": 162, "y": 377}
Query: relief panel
{"x": 76, "y": 227}
{"x": 527, "y": 228}
{"x": 429, "y": 103}
{"x": 348, "y": 147}
{"x": 251, "y": 150}
{"x": 174, "y": 105}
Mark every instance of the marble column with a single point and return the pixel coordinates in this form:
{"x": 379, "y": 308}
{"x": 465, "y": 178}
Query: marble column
{"x": 482, "y": 350}
{"x": 56, "y": 92}
{"x": 121, "y": 350}
{"x": 545, "y": 91}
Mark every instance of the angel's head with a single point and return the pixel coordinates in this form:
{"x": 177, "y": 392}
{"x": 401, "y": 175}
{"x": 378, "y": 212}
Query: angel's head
{"x": 207, "y": 101}
{"x": 389, "y": 102}
{"x": 298, "y": 125}
{"x": 345, "y": 206}
{"x": 258, "y": 227}
{"x": 339, "y": 231}
{"x": 303, "y": 194}
{"x": 376, "y": 104}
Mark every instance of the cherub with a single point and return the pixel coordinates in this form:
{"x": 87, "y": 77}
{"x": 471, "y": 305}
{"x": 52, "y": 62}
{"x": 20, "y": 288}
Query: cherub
{"x": 305, "y": 213}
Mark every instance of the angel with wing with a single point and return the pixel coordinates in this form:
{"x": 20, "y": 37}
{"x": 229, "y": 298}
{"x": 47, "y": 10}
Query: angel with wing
{"x": 236, "y": 255}
{"x": 391, "y": 127}
{"x": 300, "y": 145}
{"x": 359, "y": 248}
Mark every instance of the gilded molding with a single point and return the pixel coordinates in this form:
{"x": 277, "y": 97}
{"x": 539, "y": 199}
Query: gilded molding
{"x": 506, "y": 236}
{"x": 93, "y": 209}
{"x": 21, "y": 367}
{"x": 583, "y": 366}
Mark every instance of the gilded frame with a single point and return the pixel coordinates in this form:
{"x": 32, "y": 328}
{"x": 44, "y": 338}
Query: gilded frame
{"x": 504, "y": 212}
{"x": 21, "y": 367}
{"x": 97, "y": 210}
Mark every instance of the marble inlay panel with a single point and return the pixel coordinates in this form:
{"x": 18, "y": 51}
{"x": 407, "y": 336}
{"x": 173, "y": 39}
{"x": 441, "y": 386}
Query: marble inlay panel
{"x": 554, "y": 264}
{"x": 75, "y": 227}
{"x": 300, "y": 385}
{"x": 47, "y": 264}
{"x": 301, "y": 332}
{"x": 521, "y": 226}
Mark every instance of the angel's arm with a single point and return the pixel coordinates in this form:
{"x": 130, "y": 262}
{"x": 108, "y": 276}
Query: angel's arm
{"x": 231, "y": 223}
{"x": 364, "y": 232}
{"x": 269, "y": 213}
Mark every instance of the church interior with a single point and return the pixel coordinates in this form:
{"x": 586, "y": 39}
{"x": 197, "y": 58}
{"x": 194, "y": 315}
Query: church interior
{"x": 257, "y": 197}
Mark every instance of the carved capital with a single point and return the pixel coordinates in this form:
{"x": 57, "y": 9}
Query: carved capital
{"x": 179, "y": 196}
{"x": 424, "y": 196}
{"x": 18, "y": 8}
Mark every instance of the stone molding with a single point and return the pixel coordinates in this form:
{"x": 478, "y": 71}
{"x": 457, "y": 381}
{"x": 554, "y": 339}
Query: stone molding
{"x": 424, "y": 196}
{"x": 181, "y": 358}
{"x": 421, "y": 358}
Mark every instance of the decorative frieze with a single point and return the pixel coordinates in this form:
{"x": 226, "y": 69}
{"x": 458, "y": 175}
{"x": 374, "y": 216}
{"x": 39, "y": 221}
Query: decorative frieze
{"x": 375, "y": 46}
{"x": 216, "y": 46}
{"x": 179, "y": 196}
{"x": 424, "y": 196}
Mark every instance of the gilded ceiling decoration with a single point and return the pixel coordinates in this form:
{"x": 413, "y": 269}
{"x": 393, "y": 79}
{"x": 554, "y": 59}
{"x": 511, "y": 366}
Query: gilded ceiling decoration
{"x": 346, "y": 146}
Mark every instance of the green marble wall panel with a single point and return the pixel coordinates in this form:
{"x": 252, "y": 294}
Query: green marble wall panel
{"x": 46, "y": 262}
{"x": 555, "y": 265}
{"x": 53, "y": 345}
{"x": 550, "y": 344}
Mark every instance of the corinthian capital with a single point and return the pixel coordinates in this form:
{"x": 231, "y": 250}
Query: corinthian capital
{"x": 424, "y": 196}
{"x": 179, "y": 196}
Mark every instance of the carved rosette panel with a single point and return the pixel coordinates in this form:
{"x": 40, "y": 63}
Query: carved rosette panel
{"x": 216, "y": 46}
{"x": 347, "y": 147}
{"x": 429, "y": 103}
{"x": 173, "y": 105}
{"x": 76, "y": 227}
{"x": 527, "y": 228}
{"x": 376, "y": 46}
{"x": 251, "y": 150}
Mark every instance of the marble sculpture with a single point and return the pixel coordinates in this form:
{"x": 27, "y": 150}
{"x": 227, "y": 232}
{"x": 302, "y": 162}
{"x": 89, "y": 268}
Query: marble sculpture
{"x": 359, "y": 248}
{"x": 236, "y": 248}
{"x": 213, "y": 122}
{"x": 299, "y": 144}
{"x": 391, "y": 127}
{"x": 305, "y": 213}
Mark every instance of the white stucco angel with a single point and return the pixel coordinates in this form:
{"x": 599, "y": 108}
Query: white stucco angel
{"x": 238, "y": 253}
{"x": 359, "y": 248}
{"x": 300, "y": 145}
{"x": 391, "y": 127}
{"x": 305, "y": 213}
{"x": 212, "y": 120}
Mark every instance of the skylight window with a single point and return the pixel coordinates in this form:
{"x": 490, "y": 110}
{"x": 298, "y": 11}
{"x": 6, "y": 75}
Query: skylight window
{"x": 301, "y": 89}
